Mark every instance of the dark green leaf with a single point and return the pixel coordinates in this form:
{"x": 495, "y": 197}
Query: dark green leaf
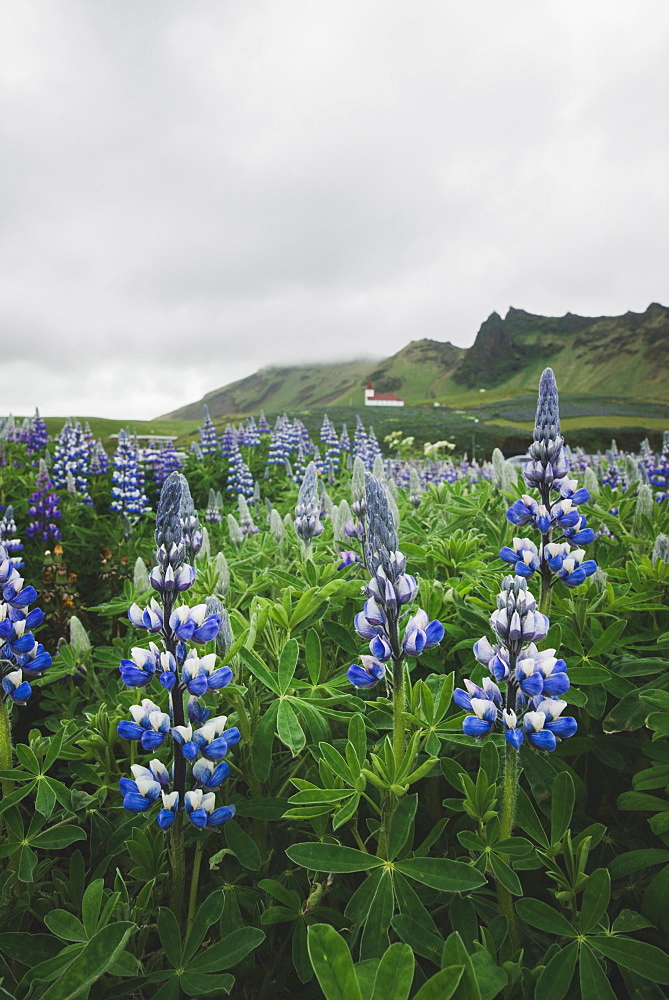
{"x": 209, "y": 911}
{"x": 442, "y": 874}
{"x": 97, "y": 956}
{"x": 65, "y": 925}
{"x": 332, "y": 963}
{"x": 58, "y": 837}
{"x": 562, "y": 805}
{"x": 423, "y": 941}
{"x": 289, "y": 729}
{"x": 505, "y": 875}
{"x": 542, "y": 916}
{"x": 374, "y": 939}
{"x": 263, "y": 739}
{"x": 170, "y": 936}
{"x": 287, "y": 664}
{"x": 442, "y": 985}
{"x": 229, "y": 951}
{"x": 595, "y": 899}
{"x": 394, "y": 974}
{"x": 556, "y": 978}
{"x": 401, "y": 824}
{"x": 593, "y": 980}
{"x": 644, "y": 959}
{"x": 243, "y": 847}
{"x": 28, "y": 949}
{"x": 333, "y": 858}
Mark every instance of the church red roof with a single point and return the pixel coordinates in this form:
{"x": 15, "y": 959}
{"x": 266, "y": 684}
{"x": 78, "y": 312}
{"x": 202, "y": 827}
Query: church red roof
{"x": 386, "y": 395}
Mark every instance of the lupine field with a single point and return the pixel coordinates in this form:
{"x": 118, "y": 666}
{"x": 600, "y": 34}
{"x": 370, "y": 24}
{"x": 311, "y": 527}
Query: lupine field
{"x": 332, "y": 718}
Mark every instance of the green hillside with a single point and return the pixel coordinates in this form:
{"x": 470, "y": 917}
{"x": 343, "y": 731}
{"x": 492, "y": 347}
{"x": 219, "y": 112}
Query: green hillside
{"x": 611, "y": 356}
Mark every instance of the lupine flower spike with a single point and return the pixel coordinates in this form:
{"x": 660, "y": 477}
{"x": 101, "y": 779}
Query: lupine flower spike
{"x": 183, "y": 675}
{"x": 522, "y": 697}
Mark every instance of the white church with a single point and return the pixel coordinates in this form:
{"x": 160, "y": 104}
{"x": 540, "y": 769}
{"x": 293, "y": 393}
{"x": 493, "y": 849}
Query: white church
{"x": 381, "y": 398}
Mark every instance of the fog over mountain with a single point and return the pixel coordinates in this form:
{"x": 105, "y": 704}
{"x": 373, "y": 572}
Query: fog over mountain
{"x": 194, "y": 191}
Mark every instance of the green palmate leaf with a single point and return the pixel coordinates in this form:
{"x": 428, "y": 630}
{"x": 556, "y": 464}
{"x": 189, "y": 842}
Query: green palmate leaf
{"x": 357, "y": 737}
{"x": 401, "y": 824}
{"x": 97, "y": 956}
{"x": 358, "y": 905}
{"x": 332, "y": 963}
{"x": 346, "y": 812}
{"x": 505, "y": 875}
{"x": 263, "y": 739}
{"x": 542, "y": 916}
{"x": 287, "y": 664}
{"x": 490, "y": 979}
{"x": 374, "y": 939}
{"x": 442, "y": 985}
{"x": 313, "y": 655}
{"x": 456, "y": 955}
{"x": 633, "y": 861}
{"x": 45, "y": 799}
{"x": 423, "y": 941}
{"x": 196, "y": 984}
{"x": 228, "y": 952}
{"x": 170, "y": 936}
{"x": 442, "y": 874}
{"x": 57, "y": 837}
{"x": 556, "y": 978}
{"x": 28, "y": 949}
{"x": 65, "y": 925}
{"x": 528, "y": 820}
{"x": 333, "y": 858}
{"x": 27, "y": 863}
{"x": 27, "y": 758}
{"x": 641, "y": 989}
{"x": 90, "y": 905}
{"x": 595, "y": 899}
{"x": 335, "y": 760}
{"x": 607, "y": 639}
{"x": 316, "y": 796}
{"x": 242, "y": 846}
{"x": 14, "y": 797}
{"x": 289, "y": 729}
{"x": 53, "y": 750}
{"x": 394, "y": 974}
{"x": 594, "y": 982}
{"x": 259, "y": 669}
{"x": 562, "y": 805}
{"x": 644, "y": 959}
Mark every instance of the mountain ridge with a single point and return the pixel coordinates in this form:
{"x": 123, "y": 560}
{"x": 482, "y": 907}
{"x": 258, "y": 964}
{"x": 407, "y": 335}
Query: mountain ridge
{"x": 624, "y": 355}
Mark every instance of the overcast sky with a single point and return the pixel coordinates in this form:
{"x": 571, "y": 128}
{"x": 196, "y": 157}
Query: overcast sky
{"x": 192, "y": 190}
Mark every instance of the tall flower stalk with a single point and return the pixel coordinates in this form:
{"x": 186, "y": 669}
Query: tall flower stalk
{"x": 559, "y": 556}
{"x": 196, "y": 755}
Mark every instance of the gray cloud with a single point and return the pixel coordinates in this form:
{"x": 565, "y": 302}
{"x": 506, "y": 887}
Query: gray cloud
{"x": 191, "y": 191}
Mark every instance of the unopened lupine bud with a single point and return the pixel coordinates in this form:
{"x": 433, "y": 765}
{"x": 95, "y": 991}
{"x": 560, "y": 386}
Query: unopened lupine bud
{"x": 644, "y": 508}
{"x": 590, "y": 480}
{"x": 660, "y": 550}
{"x": 140, "y": 578}
{"x": 222, "y": 574}
{"x": 79, "y": 637}
{"x": 276, "y": 526}
{"x": 235, "y": 532}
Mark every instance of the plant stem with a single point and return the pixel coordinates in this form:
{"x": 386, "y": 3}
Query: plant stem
{"x": 178, "y": 866}
{"x": 5, "y": 747}
{"x": 194, "y": 882}
{"x": 509, "y": 795}
{"x": 398, "y": 712}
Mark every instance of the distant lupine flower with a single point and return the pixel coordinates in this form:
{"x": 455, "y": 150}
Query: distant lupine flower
{"x": 167, "y": 463}
{"x": 307, "y": 510}
{"x": 528, "y": 707}
{"x": 8, "y": 538}
{"x": 71, "y": 460}
{"x": 348, "y": 558}
{"x": 127, "y": 492}
{"x": 181, "y": 672}
{"x": 99, "y": 464}
{"x": 245, "y": 518}
{"x": 276, "y": 526}
{"x": 37, "y": 435}
{"x": 22, "y": 658}
{"x": 390, "y": 592}
{"x": 213, "y": 511}
{"x": 360, "y": 444}
{"x": 240, "y": 479}
{"x": 660, "y": 550}
{"x": 263, "y": 426}
{"x": 208, "y": 438}
{"x": 415, "y": 489}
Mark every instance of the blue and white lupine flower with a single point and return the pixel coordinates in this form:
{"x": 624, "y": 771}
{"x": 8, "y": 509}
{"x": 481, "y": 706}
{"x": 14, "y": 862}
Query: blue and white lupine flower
{"x": 389, "y": 592}
{"x": 527, "y": 707}
{"x": 180, "y": 672}
{"x": 370, "y": 673}
{"x": 22, "y": 657}
{"x": 150, "y": 726}
{"x": 201, "y": 809}
{"x": 307, "y": 510}
{"x": 210, "y": 774}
